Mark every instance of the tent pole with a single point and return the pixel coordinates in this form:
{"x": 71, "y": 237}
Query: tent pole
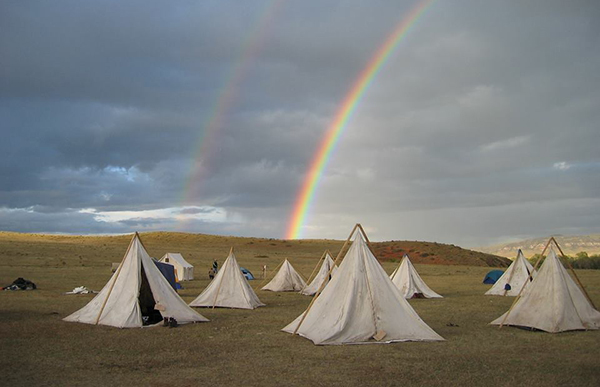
{"x": 313, "y": 272}
{"x": 220, "y": 283}
{"x": 511, "y": 275}
{"x": 574, "y": 274}
{"x": 324, "y": 283}
{"x": 525, "y": 283}
{"x": 267, "y": 276}
{"x": 366, "y": 238}
{"x": 116, "y": 277}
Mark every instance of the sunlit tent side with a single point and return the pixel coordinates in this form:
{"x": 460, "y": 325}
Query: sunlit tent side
{"x": 322, "y": 275}
{"x": 409, "y": 282}
{"x": 136, "y": 295}
{"x": 229, "y": 289}
{"x": 510, "y": 283}
{"x": 553, "y": 302}
{"x": 360, "y": 305}
{"x": 287, "y": 279}
{"x": 183, "y": 269}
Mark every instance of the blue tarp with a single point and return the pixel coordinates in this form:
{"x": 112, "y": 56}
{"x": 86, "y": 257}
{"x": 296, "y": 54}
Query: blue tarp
{"x": 168, "y": 271}
{"x": 246, "y": 273}
{"x": 492, "y": 277}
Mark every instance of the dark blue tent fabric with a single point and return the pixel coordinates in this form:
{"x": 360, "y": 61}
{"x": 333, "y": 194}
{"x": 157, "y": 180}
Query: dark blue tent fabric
{"x": 168, "y": 271}
{"x": 492, "y": 277}
{"x": 246, "y": 273}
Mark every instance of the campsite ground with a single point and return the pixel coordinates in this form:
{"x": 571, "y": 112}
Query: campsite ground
{"x": 246, "y": 347}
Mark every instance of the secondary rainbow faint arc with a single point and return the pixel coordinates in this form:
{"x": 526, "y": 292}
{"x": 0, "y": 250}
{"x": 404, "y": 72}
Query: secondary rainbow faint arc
{"x": 208, "y": 140}
{"x": 348, "y": 106}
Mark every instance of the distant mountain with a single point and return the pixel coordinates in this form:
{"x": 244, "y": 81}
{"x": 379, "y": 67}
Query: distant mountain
{"x": 571, "y": 245}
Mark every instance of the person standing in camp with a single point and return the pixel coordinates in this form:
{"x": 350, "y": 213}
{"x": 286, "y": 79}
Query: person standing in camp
{"x": 264, "y": 271}
{"x": 215, "y": 266}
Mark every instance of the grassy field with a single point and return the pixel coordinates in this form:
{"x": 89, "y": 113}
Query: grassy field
{"x": 246, "y": 347}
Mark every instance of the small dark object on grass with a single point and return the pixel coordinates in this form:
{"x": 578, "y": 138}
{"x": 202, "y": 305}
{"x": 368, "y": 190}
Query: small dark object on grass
{"x": 452, "y": 325}
{"x": 20, "y": 284}
{"x": 165, "y": 321}
{"x": 172, "y": 322}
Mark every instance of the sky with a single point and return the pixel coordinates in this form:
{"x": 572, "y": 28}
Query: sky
{"x": 482, "y": 126}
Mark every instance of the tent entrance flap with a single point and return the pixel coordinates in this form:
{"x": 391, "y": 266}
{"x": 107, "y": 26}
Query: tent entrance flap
{"x": 150, "y": 316}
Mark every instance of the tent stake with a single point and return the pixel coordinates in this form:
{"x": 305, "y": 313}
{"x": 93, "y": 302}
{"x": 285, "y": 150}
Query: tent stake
{"x": 323, "y": 284}
{"x": 116, "y": 277}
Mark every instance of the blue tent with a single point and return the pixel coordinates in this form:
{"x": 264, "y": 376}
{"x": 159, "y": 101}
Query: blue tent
{"x": 168, "y": 271}
{"x": 246, "y": 273}
{"x": 492, "y": 277}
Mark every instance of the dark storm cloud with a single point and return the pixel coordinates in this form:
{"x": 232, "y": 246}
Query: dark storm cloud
{"x": 483, "y": 110}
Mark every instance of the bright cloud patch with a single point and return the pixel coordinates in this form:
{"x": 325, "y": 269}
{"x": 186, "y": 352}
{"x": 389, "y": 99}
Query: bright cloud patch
{"x": 179, "y": 214}
{"x": 561, "y": 166}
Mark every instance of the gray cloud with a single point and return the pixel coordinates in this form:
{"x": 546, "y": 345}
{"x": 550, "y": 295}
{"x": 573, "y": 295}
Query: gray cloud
{"x": 481, "y": 125}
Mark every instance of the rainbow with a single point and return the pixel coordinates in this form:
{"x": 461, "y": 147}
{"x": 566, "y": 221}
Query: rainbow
{"x": 336, "y": 129}
{"x": 208, "y": 140}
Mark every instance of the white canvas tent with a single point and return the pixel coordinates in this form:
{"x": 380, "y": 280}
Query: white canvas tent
{"x": 229, "y": 289}
{"x": 360, "y": 305}
{"x": 183, "y": 270}
{"x": 322, "y": 275}
{"x": 409, "y": 282}
{"x": 518, "y": 273}
{"x": 136, "y": 290}
{"x": 287, "y": 279}
{"x": 553, "y": 302}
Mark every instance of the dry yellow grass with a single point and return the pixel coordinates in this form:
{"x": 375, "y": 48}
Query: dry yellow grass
{"x": 241, "y": 347}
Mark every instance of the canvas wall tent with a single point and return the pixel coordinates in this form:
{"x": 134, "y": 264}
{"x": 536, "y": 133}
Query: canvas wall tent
{"x": 410, "y": 283}
{"x": 184, "y": 271}
{"x": 229, "y": 289}
{"x": 360, "y": 305}
{"x": 553, "y": 302}
{"x": 510, "y": 283}
{"x": 492, "y": 276}
{"x": 322, "y": 275}
{"x": 136, "y": 290}
{"x": 287, "y": 279}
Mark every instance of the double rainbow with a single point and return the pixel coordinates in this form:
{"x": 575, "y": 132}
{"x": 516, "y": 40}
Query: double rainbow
{"x": 347, "y": 108}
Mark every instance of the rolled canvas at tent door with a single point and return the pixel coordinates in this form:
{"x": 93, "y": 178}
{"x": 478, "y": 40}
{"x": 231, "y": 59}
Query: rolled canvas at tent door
{"x": 185, "y": 271}
{"x": 322, "y": 276}
{"x": 515, "y": 276}
{"x": 287, "y": 279}
{"x": 409, "y": 282}
{"x": 359, "y": 303}
{"x": 229, "y": 289}
{"x": 118, "y": 303}
{"x": 553, "y": 302}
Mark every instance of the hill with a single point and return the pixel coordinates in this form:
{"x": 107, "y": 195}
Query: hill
{"x": 571, "y": 245}
{"x": 201, "y": 249}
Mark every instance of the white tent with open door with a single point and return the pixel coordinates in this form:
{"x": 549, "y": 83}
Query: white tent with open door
{"x": 553, "y": 302}
{"x": 510, "y": 283}
{"x": 183, "y": 269}
{"x": 410, "y": 283}
{"x": 287, "y": 279}
{"x": 136, "y": 295}
{"x": 321, "y": 277}
{"x": 360, "y": 305}
{"x": 229, "y": 289}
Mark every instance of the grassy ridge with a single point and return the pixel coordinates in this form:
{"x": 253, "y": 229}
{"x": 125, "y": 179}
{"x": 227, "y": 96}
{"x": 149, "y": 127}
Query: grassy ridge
{"x": 240, "y": 347}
